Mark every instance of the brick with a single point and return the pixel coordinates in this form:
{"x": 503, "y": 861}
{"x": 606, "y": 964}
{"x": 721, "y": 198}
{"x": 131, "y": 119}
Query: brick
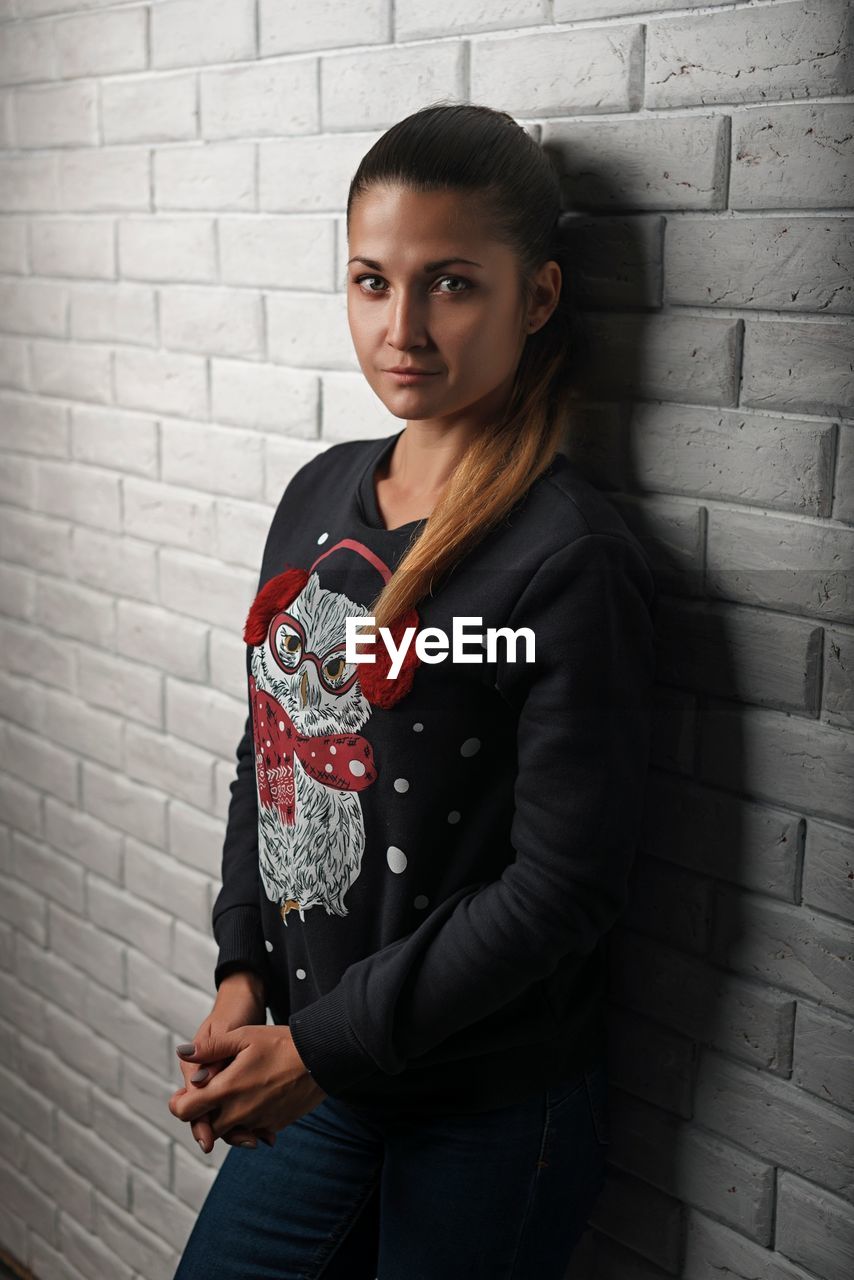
{"x": 97, "y": 44}
{"x": 92, "y": 1157}
{"x": 26, "y": 650}
{"x": 23, "y": 1008}
{"x": 35, "y": 541}
{"x": 782, "y": 157}
{"x": 69, "y": 609}
{"x": 125, "y": 566}
{"x": 130, "y": 1136}
{"x": 838, "y": 685}
{"x": 666, "y": 162}
{"x": 141, "y": 1248}
{"x": 27, "y": 52}
{"x": 730, "y": 454}
{"x": 60, "y": 115}
{"x": 714, "y": 1251}
{"x": 641, "y": 1217}
{"x": 111, "y": 438}
{"x": 843, "y": 503}
{"x": 264, "y": 396}
{"x": 241, "y": 531}
{"x": 213, "y": 176}
{"x": 375, "y": 87}
{"x": 768, "y": 263}
{"x": 158, "y": 109}
{"x": 137, "y": 1038}
{"x": 650, "y": 1061}
{"x": 309, "y": 331}
{"x": 36, "y": 307}
{"x": 172, "y": 644}
{"x": 168, "y": 249}
{"x": 35, "y": 426}
{"x": 26, "y": 1202}
{"x": 73, "y": 370}
{"x": 196, "y": 715}
{"x": 183, "y": 518}
{"x": 55, "y": 1075}
{"x": 828, "y": 877}
{"x": 91, "y": 1255}
{"x": 121, "y": 803}
{"x": 90, "y": 949}
{"x": 785, "y": 945}
{"x": 161, "y": 381}
{"x": 53, "y": 978}
{"x": 709, "y": 1173}
{"x": 165, "y": 998}
{"x": 159, "y": 1211}
{"x": 814, "y": 1228}
{"x": 216, "y": 460}
{"x": 51, "y": 873}
{"x": 752, "y": 845}
{"x": 751, "y": 655}
{"x": 803, "y": 566}
{"x": 128, "y": 917}
{"x": 325, "y": 164}
{"x": 102, "y": 179}
{"x": 291, "y": 28}
{"x": 13, "y": 246}
{"x": 108, "y": 681}
{"x": 263, "y": 98}
{"x": 287, "y": 253}
{"x": 70, "y": 1193}
{"x": 776, "y": 1121}
{"x": 194, "y": 956}
{"x": 195, "y": 838}
{"x": 171, "y": 766}
{"x": 582, "y": 71}
{"x": 798, "y": 367}
{"x": 26, "y": 1107}
{"x": 669, "y": 903}
{"x": 751, "y": 1021}
{"x": 42, "y": 764}
{"x": 165, "y": 883}
{"x": 821, "y": 1061}
{"x": 83, "y": 495}
{"x": 226, "y": 322}
{"x": 686, "y": 358}
{"x": 200, "y": 588}
{"x": 449, "y": 17}
{"x": 190, "y": 32}
{"x": 745, "y": 55}
{"x": 572, "y": 10}
{"x": 88, "y": 842}
{"x": 114, "y": 313}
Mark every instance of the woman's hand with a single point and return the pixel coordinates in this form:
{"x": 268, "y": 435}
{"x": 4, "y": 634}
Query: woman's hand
{"x": 239, "y": 1002}
{"x": 264, "y": 1086}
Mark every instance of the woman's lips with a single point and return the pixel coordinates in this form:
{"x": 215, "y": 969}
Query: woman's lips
{"x": 409, "y": 376}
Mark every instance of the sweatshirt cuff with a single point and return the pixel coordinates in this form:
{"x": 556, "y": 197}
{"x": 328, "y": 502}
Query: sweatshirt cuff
{"x": 327, "y": 1043}
{"x": 239, "y": 935}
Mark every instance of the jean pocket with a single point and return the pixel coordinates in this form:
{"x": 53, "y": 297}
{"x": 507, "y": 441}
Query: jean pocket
{"x": 596, "y": 1083}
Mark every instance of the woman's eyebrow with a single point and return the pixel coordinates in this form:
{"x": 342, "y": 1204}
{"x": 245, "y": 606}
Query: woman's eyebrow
{"x": 428, "y": 266}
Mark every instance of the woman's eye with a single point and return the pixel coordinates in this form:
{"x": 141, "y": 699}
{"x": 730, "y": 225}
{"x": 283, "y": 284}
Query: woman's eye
{"x": 456, "y": 279}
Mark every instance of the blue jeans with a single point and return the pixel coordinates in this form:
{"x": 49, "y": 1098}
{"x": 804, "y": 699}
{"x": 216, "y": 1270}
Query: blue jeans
{"x": 356, "y": 1193}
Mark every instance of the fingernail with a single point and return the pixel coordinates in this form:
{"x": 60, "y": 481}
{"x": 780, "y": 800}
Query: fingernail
{"x": 202, "y": 1145}
{"x": 198, "y": 1076}
{"x": 186, "y": 1050}
{"x": 247, "y": 1142}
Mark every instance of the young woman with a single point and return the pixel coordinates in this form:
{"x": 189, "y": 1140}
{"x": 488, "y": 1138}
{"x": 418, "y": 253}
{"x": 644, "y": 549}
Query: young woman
{"x": 425, "y": 852}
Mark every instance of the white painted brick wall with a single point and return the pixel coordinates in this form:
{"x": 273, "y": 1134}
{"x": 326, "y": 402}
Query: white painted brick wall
{"x": 173, "y": 347}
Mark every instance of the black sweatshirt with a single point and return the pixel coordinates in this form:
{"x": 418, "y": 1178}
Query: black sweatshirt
{"x": 426, "y": 883}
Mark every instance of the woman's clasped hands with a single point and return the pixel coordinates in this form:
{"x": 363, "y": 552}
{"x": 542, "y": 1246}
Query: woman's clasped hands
{"x": 244, "y": 1079}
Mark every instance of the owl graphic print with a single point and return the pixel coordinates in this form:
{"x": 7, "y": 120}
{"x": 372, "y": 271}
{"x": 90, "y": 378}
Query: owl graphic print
{"x": 310, "y": 708}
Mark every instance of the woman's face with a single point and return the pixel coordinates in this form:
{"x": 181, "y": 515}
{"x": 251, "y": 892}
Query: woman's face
{"x": 427, "y": 289}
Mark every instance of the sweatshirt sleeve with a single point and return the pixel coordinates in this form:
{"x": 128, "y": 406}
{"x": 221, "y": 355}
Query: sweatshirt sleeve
{"x": 583, "y": 739}
{"x": 236, "y": 913}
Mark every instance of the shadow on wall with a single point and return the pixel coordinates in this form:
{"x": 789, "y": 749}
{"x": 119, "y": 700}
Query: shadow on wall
{"x": 715, "y": 944}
